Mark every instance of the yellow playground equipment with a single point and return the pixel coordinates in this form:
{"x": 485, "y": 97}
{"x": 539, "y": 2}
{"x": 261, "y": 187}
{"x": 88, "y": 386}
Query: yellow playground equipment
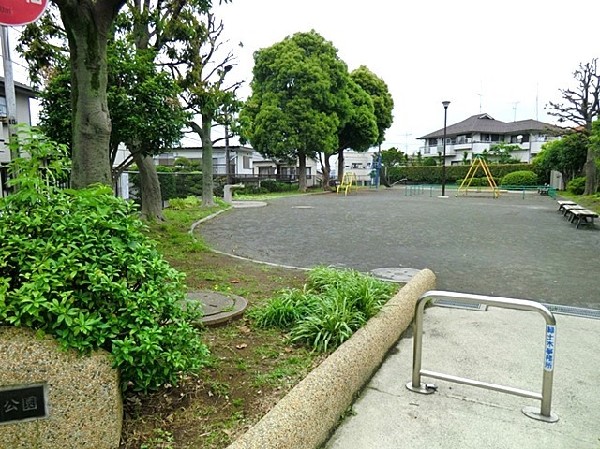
{"x": 348, "y": 183}
{"x": 475, "y": 165}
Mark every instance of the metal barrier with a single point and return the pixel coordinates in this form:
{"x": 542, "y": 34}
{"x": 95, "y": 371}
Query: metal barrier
{"x": 544, "y": 412}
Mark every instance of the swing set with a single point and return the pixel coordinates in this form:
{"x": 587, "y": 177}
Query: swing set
{"x": 348, "y": 183}
{"x": 477, "y": 163}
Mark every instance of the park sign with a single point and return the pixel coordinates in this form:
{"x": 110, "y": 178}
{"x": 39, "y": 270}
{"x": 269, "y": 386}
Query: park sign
{"x": 21, "y": 12}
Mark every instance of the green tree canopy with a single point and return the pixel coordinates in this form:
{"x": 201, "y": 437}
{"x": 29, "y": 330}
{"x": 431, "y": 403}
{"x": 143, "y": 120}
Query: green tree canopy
{"x": 581, "y": 106}
{"x": 567, "y": 155}
{"x": 383, "y": 103}
{"x": 367, "y": 123}
{"x": 299, "y": 100}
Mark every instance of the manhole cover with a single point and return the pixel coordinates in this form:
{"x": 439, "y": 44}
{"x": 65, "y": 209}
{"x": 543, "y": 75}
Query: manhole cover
{"x": 395, "y": 274}
{"x": 217, "y": 308}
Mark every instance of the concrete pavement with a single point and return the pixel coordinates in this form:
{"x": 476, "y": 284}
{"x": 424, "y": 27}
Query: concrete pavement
{"x": 497, "y": 345}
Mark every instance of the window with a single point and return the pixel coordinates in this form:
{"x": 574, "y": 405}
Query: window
{"x": 266, "y": 170}
{"x": 3, "y": 108}
{"x": 246, "y": 162}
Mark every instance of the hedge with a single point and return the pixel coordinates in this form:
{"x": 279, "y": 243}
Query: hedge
{"x": 433, "y": 175}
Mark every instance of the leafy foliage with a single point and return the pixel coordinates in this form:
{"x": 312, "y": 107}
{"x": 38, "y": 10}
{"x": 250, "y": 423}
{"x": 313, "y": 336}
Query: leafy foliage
{"x": 520, "y": 178}
{"x": 433, "y": 175}
{"x": 332, "y": 306}
{"x": 580, "y": 107}
{"x": 299, "y": 99}
{"x": 78, "y": 265}
{"x": 576, "y": 185}
{"x": 501, "y": 153}
{"x": 567, "y": 155}
{"x": 383, "y": 103}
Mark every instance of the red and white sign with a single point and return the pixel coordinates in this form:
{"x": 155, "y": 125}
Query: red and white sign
{"x": 21, "y": 12}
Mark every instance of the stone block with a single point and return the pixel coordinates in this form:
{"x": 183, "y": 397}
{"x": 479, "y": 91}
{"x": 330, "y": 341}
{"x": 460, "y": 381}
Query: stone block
{"x": 84, "y": 402}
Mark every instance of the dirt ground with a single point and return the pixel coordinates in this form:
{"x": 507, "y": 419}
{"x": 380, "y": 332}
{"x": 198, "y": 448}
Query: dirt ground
{"x": 250, "y": 369}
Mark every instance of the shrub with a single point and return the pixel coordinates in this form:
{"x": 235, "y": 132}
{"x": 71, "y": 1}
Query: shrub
{"x": 520, "y": 178}
{"x": 576, "y": 185}
{"x": 76, "y": 264}
{"x": 190, "y": 202}
{"x": 333, "y": 305}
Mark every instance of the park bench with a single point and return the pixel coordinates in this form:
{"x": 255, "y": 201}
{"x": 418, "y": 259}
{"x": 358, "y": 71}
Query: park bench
{"x": 583, "y": 217}
{"x": 562, "y": 203}
{"x": 568, "y": 209}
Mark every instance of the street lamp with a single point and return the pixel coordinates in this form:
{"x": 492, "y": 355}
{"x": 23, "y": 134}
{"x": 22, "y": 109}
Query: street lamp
{"x": 445, "y": 104}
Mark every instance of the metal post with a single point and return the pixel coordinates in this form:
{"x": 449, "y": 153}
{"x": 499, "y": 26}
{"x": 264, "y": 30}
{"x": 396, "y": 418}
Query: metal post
{"x": 9, "y": 88}
{"x": 227, "y": 155}
{"x": 544, "y": 413}
{"x": 445, "y": 104}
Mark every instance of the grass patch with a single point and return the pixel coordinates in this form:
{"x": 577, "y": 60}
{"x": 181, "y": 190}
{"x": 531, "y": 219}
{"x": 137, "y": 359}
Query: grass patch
{"x": 331, "y": 307}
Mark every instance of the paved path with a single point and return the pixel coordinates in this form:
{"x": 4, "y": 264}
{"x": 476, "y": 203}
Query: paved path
{"x": 499, "y": 346}
{"x": 508, "y": 246}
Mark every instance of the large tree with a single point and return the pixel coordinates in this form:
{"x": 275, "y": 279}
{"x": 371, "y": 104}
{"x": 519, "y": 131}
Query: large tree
{"x": 185, "y": 35}
{"x": 200, "y": 69}
{"x": 358, "y": 132}
{"x": 88, "y": 25}
{"x": 154, "y": 28}
{"x": 299, "y": 100}
{"x": 383, "y": 105}
{"x": 579, "y": 108}
{"x": 145, "y": 114}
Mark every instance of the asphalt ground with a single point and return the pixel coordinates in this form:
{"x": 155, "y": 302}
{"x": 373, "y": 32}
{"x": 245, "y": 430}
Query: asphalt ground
{"x": 515, "y": 246}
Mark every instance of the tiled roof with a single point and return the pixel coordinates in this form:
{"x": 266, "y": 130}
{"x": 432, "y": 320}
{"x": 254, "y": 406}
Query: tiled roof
{"x": 483, "y": 123}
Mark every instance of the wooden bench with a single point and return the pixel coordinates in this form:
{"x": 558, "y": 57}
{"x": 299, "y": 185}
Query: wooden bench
{"x": 583, "y": 217}
{"x": 562, "y": 203}
{"x": 567, "y": 209}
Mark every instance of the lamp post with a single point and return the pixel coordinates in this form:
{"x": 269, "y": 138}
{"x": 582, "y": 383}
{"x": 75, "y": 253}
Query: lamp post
{"x": 445, "y": 104}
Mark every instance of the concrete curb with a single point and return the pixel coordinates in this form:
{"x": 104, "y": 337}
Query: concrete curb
{"x": 308, "y": 414}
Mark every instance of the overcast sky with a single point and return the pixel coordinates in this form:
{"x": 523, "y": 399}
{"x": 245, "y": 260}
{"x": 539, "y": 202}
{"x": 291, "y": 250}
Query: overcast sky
{"x": 510, "y": 56}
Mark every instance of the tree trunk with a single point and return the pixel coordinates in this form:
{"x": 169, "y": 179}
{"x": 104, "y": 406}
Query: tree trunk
{"x": 88, "y": 26}
{"x": 149, "y": 188}
{"x": 340, "y": 166}
{"x": 302, "y": 172}
{"x": 590, "y": 171}
{"x": 326, "y": 171}
{"x": 207, "y": 163}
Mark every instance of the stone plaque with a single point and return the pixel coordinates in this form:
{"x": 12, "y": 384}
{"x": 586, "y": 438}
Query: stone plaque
{"x": 23, "y": 403}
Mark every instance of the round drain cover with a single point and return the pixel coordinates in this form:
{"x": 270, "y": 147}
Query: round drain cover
{"x": 216, "y": 307}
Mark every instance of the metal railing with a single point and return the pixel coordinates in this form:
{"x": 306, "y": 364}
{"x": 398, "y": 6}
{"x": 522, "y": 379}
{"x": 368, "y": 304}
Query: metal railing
{"x": 544, "y": 412}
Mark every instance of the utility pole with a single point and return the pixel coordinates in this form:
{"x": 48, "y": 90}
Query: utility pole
{"x": 9, "y": 89}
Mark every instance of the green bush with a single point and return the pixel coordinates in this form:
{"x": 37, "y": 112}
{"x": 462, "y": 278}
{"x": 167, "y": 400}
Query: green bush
{"x": 520, "y": 178}
{"x": 190, "y": 202}
{"x": 433, "y": 175}
{"x": 77, "y": 264}
{"x": 576, "y": 185}
{"x": 478, "y": 182}
{"x": 334, "y": 304}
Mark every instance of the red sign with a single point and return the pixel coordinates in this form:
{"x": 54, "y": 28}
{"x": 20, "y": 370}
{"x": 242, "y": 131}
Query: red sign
{"x": 21, "y": 12}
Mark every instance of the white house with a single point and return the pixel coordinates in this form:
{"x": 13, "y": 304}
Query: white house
{"x": 358, "y": 162}
{"x": 285, "y": 170}
{"x": 240, "y": 158}
{"x": 473, "y": 136}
